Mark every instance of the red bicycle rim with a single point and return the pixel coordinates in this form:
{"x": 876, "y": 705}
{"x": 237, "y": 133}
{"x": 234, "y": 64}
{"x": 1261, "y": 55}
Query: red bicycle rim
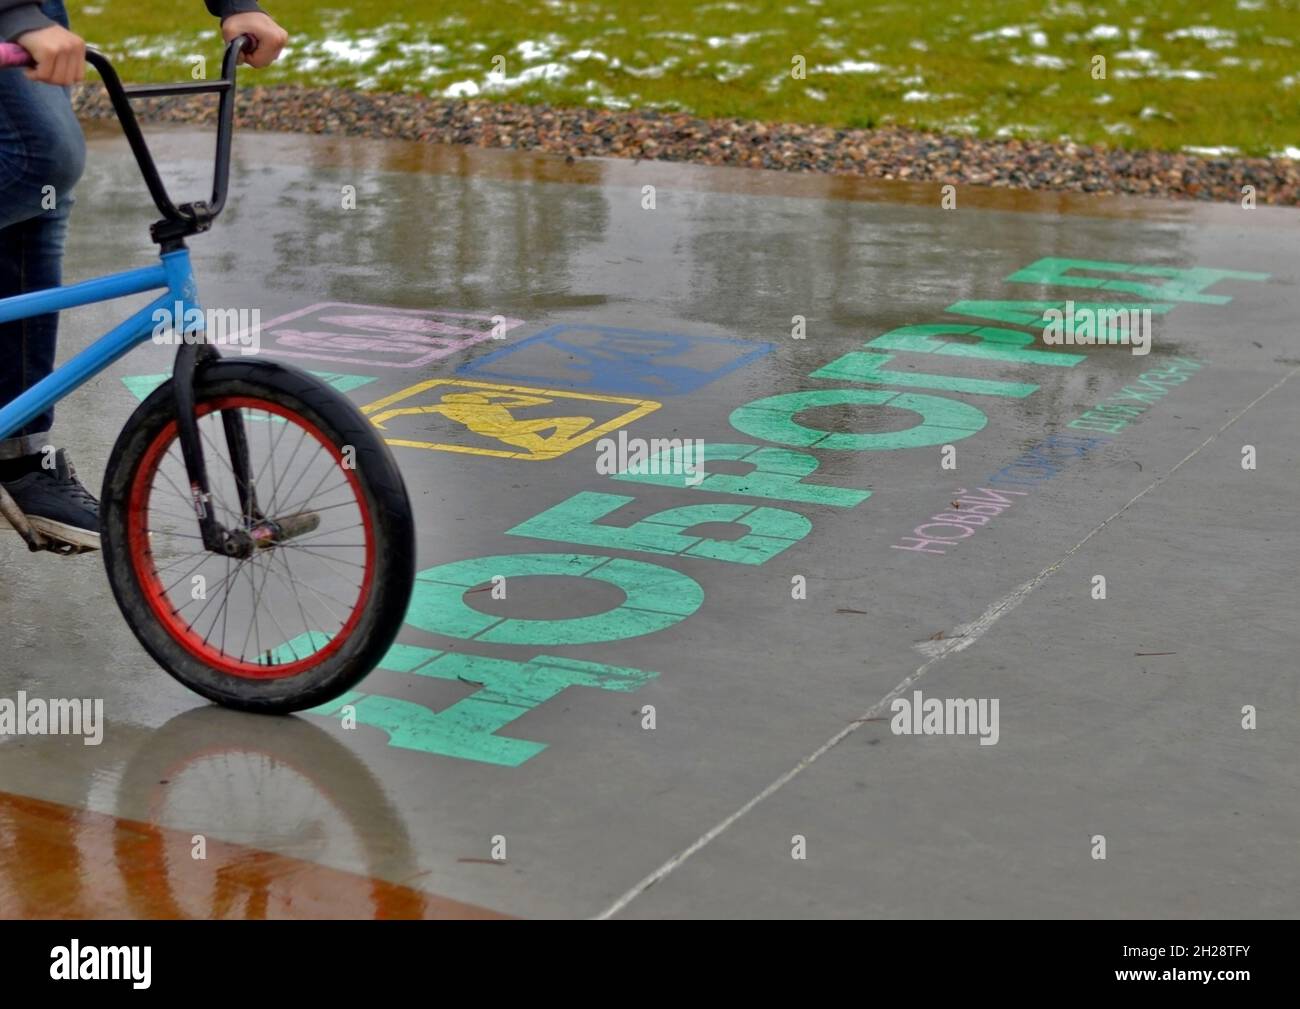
{"x": 155, "y": 593}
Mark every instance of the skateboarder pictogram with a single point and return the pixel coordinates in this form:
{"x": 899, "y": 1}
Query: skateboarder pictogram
{"x": 507, "y": 416}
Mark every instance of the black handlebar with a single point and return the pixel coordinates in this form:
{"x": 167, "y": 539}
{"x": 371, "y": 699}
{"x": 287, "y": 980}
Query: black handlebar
{"x": 187, "y": 218}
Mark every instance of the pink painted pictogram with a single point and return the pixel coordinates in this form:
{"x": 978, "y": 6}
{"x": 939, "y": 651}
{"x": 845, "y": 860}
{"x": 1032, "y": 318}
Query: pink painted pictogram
{"x": 378, "y": 336}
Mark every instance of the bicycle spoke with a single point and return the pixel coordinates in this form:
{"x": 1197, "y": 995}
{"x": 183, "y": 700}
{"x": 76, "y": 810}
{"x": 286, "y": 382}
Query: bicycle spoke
{"x": 221, "y": 610}
{"x": 271, "y": 450}
{"x": 187, "y": 574}
{"x": 275, "y": 495}
{"x": 323, "y": 557}
{"x": 288, "y": 638}
{"x": 311, "y": 588}
{"x": 212, "y": 487}
{"x": 328, "y": 532}
{"x": 342, "y": 486}
{"x": 255, "y": 629}
{"x": 306, "y": 624}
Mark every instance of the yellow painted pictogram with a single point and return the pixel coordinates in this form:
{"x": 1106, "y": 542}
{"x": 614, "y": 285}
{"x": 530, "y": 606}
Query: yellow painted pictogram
{"x": 537, "y": 424}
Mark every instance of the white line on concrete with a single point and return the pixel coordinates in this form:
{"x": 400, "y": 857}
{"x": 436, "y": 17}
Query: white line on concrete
{"x": 960, "y": 638}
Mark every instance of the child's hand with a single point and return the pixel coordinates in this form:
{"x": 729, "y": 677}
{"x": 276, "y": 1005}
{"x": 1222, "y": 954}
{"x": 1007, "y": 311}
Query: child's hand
{"x": 270, "y": 36}
{"x": 60, "y": 56}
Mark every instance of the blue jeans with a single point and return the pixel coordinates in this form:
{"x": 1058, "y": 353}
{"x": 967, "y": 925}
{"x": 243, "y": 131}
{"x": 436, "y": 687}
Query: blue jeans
{"x": 42, "y": 153}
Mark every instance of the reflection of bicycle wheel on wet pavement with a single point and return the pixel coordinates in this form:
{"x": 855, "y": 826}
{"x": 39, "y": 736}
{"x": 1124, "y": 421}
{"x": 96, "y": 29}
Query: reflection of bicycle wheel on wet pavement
{"x": 259, "y": 796}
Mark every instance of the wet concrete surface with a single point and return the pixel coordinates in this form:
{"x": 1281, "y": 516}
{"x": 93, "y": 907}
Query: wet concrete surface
{"x": 1120, "y": 717}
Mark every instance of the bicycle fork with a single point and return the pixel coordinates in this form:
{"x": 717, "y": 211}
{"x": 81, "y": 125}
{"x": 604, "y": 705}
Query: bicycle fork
{"x": 256, "y": 531}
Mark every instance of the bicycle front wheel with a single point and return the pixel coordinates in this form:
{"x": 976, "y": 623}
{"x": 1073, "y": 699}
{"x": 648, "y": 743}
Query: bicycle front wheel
{"x": 320, "y": 600}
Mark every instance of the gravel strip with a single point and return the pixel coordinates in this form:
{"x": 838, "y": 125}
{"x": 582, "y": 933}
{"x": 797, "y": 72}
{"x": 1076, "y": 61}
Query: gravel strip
{"x": 647, "y": 134}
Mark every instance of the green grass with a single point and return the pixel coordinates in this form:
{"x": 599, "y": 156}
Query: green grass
{"x": 1210, "y": 74}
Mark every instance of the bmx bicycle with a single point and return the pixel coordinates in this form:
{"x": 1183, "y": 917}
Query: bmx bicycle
{"x": 256, "y": 531}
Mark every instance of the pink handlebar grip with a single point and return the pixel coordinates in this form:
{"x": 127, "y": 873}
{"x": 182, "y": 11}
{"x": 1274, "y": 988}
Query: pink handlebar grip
{"x": 14, "y": 55}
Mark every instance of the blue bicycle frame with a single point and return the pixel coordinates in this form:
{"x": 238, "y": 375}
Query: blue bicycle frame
{"x": 173, "y": 274}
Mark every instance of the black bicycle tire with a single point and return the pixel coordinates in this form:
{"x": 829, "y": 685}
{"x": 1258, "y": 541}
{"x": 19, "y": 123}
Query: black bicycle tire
{"x": 394, "y": 530}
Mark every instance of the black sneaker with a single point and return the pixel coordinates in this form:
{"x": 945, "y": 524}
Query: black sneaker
{"x": 57, "y": 505}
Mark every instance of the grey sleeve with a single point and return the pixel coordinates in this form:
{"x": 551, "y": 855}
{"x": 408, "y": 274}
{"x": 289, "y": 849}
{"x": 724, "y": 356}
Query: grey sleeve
{"x": 224, "y": 8}
{"x": 18, "y": 16}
